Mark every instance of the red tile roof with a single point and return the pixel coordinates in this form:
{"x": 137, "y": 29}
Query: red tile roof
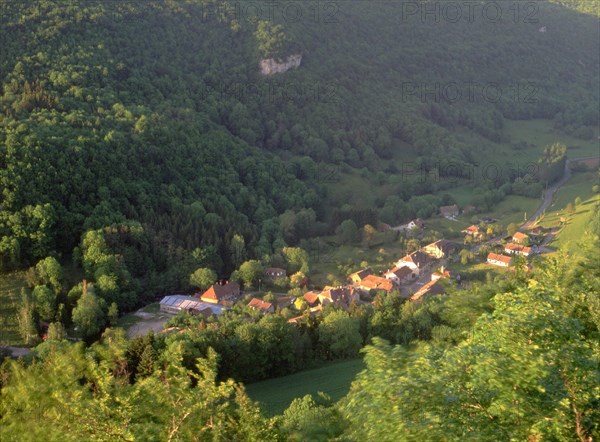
{"x": 518, "y": 236}
{"x": 418, "y": 258}
{"x": 311, "y": 297}
{"x": 220, "y": 291}
{"x": 501, "y": 258}
{"x": 377, "y": 282}
{"x": 431, "y": 288}
{"x": 259, "y": 304}
{"x": 517, "y": 248}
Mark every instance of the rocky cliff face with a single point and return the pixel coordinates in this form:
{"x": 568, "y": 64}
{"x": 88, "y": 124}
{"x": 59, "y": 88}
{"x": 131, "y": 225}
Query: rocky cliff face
{"x": 270, "y": 66}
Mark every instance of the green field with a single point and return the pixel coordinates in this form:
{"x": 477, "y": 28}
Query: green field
{"x": 573, "y": 230}
{"x": 10, "y": 292}
{"x": 477, "y": 271}
{"x": 275, "y": 395}
{"x": 541, "y": 133}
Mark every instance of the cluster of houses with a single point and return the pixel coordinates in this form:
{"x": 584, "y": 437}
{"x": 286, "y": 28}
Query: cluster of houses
{"x": 213, "y": 301}
{"x": 221, "y": 295}
{"x": 217, "y": 298}
{"x": 473, "y": 232}
{"x": 406, "y": 270}
{"x": 516, "y": 247}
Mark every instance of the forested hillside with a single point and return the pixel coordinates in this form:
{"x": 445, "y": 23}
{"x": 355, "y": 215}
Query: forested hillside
{"x": 145, "y": 150}
{"x": 154, "y": 117}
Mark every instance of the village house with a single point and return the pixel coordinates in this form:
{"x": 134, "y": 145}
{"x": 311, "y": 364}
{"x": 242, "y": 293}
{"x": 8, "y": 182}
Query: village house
{"x": 519, "y": 237}
{"x": 474, "y": 232}
{"x": 499, "y": 260}
{"x": 439, "y": 249}
{"x": 312, "y": 298}
{"x": 221, "y": 292}
{"x": 415, "y": 261}
{"x": 431, "y": 288}
{"x": 399, "y": 275}
{"x": 517, "y": 249}
{"x": 274, "y": 272}
{"x": 342, "y": 296}
{"x": 357, "y": 277}
{"x": 262, "y": 306}
{"x": 373, "y": 282}
{"x": 449, "y": 211}
{"x": 415, "y": 224}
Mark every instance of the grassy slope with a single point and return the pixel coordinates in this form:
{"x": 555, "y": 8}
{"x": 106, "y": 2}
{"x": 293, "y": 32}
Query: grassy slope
{"x": 580, "y": 185}
{"x": 10, "y": 289}
{"x": 541, "y": 133}
{"x": 538, "y": 133}
{"x": 275, "y": 395}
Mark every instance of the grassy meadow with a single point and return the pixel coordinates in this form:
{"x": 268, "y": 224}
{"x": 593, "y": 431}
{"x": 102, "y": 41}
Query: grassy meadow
{"x": 275, "y": 395}
{"x": 575, "y": 224}
{"x": 10, "y": 298}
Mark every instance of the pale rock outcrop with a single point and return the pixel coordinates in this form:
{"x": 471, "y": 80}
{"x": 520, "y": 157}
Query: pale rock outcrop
{"x": 270, "y": 66}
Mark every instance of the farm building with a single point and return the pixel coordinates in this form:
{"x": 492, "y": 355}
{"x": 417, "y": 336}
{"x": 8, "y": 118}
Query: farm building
{"x": 274, "y": 272}
{"x": 174, "y": 304}
{"x": 221, "y": 291}
{"x": 439, "y": 249}
{"x": 262, "y": 306}
{"x": 517, "y": 249}
{"x": 400, "y": 275}
{"x": 499, "y": 260}
{"x": 449, "y": 211}
{"x": 519, "y": 237}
